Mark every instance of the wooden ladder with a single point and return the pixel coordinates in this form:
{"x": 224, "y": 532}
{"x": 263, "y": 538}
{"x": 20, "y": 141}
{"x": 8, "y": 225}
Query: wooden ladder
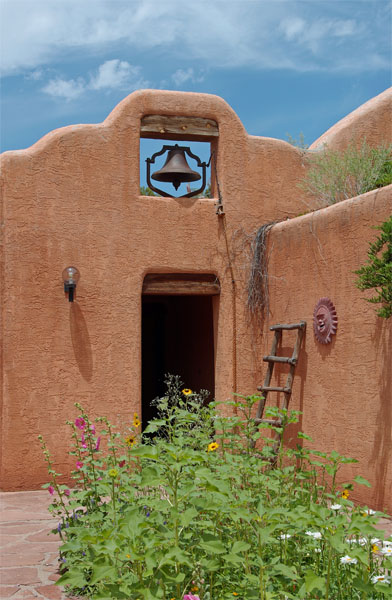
{"x": 272, "y": 359}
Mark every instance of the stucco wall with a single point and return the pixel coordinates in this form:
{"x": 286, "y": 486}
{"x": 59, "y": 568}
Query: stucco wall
{"x": 73, "y": 199}
{"x": 371, "y": 121}
{"x": 344, "y": 389}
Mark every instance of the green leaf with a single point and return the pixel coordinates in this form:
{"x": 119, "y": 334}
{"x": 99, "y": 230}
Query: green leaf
{"x": 73, "y": 578}
{"x": 187, "y": 516}
{"x": 240, "y": 546}
{"x": 362, "y": 481}
{"x": 102, "y": 570}
{"x": 213, "y": 547}
{"x": 314, "y": 582}
{"x": 283, "y": 569}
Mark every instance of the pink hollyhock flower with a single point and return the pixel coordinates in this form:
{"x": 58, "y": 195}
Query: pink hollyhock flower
{"x": 121, "y": 463}
{"x": 79, "y": 464}
{"x": 51, "y": 490}
{"x": 84, "y": 445}
{"x": 92, "y": 428}
{"x": 67, "y": 492}
{"x": 97, "y": 444}
{"x": 80, "y": 423}
{"x": 190, "y": 597}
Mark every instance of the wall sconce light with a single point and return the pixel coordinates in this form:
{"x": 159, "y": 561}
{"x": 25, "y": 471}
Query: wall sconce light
{"x": 176, "y": 170}
{"x": 71, "y": 277}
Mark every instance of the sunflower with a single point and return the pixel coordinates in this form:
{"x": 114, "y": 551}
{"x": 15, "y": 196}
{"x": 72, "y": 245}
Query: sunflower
{"x": 113, "y": 473}
{"x": 213, "y": 446}
{"x": 136, "y": 421}
{"x": 130, "y": 440}
{"x": 186, "y": 391}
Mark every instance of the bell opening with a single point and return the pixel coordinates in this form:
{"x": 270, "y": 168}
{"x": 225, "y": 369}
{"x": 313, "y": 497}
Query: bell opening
{"x": 188, "y": 179}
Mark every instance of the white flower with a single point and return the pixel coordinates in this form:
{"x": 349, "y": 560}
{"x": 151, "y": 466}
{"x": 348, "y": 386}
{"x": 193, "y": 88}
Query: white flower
{"x": 381, "y": 579}
{"x": 285, "y": 536}
{"x": 316, "y": 535}
{"x": 369, "y": 511}
{"x": 318, "y": 550}
{"x": 387, "y": 543}
{"x": 346, "y": 560}
{"x": 336, "y": 506}
{"x": 387, "y": 550}
{"x": 375, "y": 541}
{"x": 362, "y": 541}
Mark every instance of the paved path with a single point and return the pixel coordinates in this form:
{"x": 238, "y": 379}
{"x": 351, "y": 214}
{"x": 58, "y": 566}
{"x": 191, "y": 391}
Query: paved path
{"x": 29, "y": 553}
{"x": 29, "y": 556}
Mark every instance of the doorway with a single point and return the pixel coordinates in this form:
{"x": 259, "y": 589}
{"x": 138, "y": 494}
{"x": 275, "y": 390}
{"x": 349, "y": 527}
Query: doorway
{"x": 177, "y": 338}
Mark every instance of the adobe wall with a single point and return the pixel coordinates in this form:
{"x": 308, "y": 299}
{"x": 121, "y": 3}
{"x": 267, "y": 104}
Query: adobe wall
{"x": 344, "y": 389}
{"x": 73, "y": 199}
{"x": 371, "y": 121}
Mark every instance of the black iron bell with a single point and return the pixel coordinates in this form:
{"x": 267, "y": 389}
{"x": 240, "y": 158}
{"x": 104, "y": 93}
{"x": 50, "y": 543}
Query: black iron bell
{"x": 176, "y": 169}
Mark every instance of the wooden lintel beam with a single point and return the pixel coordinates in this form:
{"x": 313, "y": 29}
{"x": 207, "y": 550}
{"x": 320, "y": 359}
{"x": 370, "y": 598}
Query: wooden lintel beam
{"x": 180, "y": 285}
{"x": 171, "y": 127}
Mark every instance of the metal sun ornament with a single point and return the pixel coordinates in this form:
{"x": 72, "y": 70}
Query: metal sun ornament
{"x": 325, "y": 321}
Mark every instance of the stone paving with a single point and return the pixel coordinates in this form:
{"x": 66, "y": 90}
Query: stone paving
{"x": 29, "y": 553}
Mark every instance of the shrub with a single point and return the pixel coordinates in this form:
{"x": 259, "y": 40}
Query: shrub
{"x": 197, "y": 512}
{"x": 377, "y": 273}
{"x": 335, "y": 175}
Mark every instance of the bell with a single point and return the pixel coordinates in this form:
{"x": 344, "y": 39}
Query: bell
{"x": 176, "y": 170}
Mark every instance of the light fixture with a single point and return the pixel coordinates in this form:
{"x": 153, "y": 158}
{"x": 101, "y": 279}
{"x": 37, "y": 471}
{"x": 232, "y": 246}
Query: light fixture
{"x": 71, "y": 277}
{"x": 176, "y": 170}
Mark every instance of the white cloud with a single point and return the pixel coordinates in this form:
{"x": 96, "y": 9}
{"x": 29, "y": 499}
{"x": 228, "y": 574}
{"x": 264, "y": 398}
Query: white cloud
{"x": 111, "y": 75}
{"x": 61, "y": 88}
{"x": 292, "y": 27}
{"x": 114, "y": 74}
{"x": 266, "y": 34}
{"x": 35, "y": 75}
{"x": 181, "y": 76}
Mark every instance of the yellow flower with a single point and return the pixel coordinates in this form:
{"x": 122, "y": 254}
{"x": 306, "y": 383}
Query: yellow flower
{"x": 345, "y": 494}
{"x": 213, "y": 446}
{"x": 194, "y": 588}
{"x": 113, "y": 473}
{"x": 375, "y": 548}
{"x": 186, "y": 391}
{"x": 235, "y": 594}
{"x": 136, "y": 421}
{"x": 130, "y": 440}
{"x": 128, "y": 556}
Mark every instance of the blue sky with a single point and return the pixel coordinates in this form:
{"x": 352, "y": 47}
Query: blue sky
{"x": 285, "y": 66}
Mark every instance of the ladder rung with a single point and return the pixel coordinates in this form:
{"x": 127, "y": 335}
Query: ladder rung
{"x": 276, "y": 422}
{"x": 278, "y": 327}
{"x": 266, "y": 388}
{"x": 280, "y": 359}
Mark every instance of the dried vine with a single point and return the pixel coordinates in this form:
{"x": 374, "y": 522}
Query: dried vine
{"x": 258, "y": 294}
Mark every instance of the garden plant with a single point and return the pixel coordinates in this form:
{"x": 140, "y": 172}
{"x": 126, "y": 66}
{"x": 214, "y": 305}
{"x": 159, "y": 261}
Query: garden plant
{"x": 189, "y": 510}
{"x": 376, "y": 274}
{"x": 336, "y": 175}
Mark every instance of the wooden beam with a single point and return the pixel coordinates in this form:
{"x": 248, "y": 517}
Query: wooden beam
{"x": 187, "y": 128}
{"x": 180, "y": 284}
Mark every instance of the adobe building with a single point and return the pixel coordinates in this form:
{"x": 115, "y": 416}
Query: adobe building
{"x": 163, "y": 285}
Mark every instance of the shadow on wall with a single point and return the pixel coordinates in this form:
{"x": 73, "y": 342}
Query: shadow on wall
{"x": 81, "y": 342}
{"x": 381, "y": 454}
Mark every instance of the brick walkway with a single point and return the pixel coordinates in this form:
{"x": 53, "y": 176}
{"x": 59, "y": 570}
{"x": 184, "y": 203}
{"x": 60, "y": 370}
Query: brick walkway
{"x": 29, "y": 556}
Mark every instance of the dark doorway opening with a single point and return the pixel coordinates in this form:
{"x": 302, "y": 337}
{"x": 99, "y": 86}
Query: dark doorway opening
{"x": 177, "y": 338}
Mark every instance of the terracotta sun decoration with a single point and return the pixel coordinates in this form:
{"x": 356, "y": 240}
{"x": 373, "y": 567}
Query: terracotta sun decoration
{"x": 325, "y": 321}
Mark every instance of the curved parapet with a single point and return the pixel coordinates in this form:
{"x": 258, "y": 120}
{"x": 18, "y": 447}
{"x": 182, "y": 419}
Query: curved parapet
{"x": 371, "y": 121}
